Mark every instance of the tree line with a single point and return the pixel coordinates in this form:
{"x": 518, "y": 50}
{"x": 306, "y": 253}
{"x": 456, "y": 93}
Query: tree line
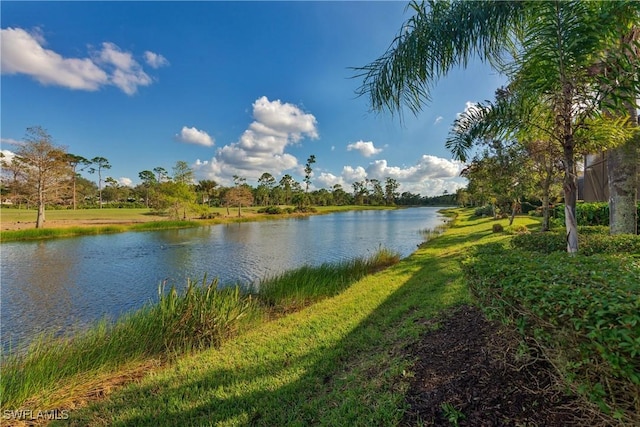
{"x": 45, "y": 175}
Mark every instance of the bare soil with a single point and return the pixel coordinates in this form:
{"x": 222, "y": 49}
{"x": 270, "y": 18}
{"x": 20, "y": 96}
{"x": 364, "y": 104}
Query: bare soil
{"x": 469, "y": 372}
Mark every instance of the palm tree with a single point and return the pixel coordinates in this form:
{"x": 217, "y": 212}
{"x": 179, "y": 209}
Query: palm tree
{"x": 547, "y": 47}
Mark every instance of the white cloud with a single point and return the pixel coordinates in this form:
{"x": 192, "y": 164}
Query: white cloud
{"x": 261, "y": 148}
{"x": 23, "y": 52}
{"x": 430, "y": 176}
{"x": 126, "y": 73}
{"x": 7, "y": 155}
{"x": 428, "y": 167}
{"x": 367, "y": 149}
{"x": 11, "y": 141}
{"x": 127, "y": 182}
{"x": 195, "y": 136}
{"x": 155, "y": 60}
{"x": 438, "y": 120}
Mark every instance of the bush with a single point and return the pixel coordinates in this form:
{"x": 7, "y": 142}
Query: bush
{"x": 497, "y": 228}
{"x": 272, "y": 210}
{"x": 484, "y": 211}
{"x": 596, "y": 213}
{"x": 591, "y": 240}
{"x": 584, "y": 313}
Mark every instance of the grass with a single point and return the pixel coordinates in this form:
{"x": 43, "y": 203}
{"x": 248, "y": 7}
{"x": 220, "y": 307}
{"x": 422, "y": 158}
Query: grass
{"x": 201, "y": 316}
{"x": 339, "y": 361}
{"x": 128, "y": 219}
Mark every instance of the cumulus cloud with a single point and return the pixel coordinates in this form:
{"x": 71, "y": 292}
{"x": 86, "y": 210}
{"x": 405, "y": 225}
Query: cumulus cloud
{"x": 155, "y": 60}
{"x": 428, "y": 167}
{"x": 126, "y": 182}
{"x": 367, "y": 149}
{"x": 438, "y": 120}
{"x": 23, "y": 52}
{"x": 195, "y": 136}
{"x": 430, "y": 175}
{"x": 126, "y": 73}
{"x": 262, "y": 146}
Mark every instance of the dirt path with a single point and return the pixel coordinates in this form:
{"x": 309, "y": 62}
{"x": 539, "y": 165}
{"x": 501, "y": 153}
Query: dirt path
{"x": 469, "y": 371}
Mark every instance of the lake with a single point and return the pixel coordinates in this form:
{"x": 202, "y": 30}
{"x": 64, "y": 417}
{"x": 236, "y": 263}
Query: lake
{"x": 62, "y": 285}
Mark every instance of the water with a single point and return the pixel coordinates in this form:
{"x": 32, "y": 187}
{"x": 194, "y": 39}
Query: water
{"x": 62, "y": 285}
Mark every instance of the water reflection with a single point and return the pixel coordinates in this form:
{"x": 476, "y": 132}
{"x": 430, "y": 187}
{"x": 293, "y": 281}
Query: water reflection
{"x": 68, "y": 283}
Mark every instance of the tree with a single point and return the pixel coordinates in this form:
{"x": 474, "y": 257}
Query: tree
{"x": 390, "y": 191}
{"x": 239, "y": 195}
{"x": 148, "y": 181}
{"x": 266, "y": 182}
{"x": 206, "y": 187}
{"x": 287, "y": 183}
{"x": 76, "y": 163}
{"x": 308, "y": 171}
{"x": 45, "y": 166}
{"x": 551, "y": 45}
{"x": 101, "y": 164}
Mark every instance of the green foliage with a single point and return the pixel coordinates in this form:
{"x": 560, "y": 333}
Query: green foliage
{"x": 596, "y": 213}
{"x": 201, "y": 316}
{"x": 497, "y": 228}
{"x": 583, "y": 311}
{"x": 452, "y": 414}
{"x": 592, "y": 240}
{"x": 272, "y": 210}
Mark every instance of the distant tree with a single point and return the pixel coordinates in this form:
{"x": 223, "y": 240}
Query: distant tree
{"x": 240, "y": 195}
{"x": 45, "y": 166}
{"x": 340, "y": 197}
{"x": 206, "y": 188}
{"x": 390, "y": 191}
{"x": 148, "y": 182}
{"x": 13, "y": 177}
{"x": 101, "y": 164}
{"x": 308, "y": 171}
{"x": 76, "y": 163}
{"x": 161, "y": 174}
{"x": 286, "y": 183}
{"x": 266, "y": 182}
{"x": 182, "y": 173}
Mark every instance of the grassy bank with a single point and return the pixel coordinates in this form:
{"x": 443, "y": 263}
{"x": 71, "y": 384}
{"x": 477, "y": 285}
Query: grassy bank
{"x": 336, "y": 362}
{"x": 202, "y": 316}
{"x": 82, "y": 222}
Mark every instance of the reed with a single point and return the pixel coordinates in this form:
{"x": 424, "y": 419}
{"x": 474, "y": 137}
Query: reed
{"x": 293, "y": 290}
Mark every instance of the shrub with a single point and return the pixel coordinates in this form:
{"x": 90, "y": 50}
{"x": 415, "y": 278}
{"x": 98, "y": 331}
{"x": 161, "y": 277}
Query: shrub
{"x": 591, "y": 240}
{"x": 596, "y": 213}
{"x": 272, "y": 210}
{"x": 497, "y": 228}
{"x": 484, "y": 211}
{"x": 584, "y": 312}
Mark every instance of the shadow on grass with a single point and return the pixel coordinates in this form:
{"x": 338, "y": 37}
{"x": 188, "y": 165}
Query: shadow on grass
{"x": 307, "y": 373}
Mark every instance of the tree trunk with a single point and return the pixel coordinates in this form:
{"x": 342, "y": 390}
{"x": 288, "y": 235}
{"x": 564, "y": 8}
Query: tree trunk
{"x": 570, "y": 189}
{"x": 622, "y": 172}
{"x": 545, "y": 210}
{"x": 41, "y": 201}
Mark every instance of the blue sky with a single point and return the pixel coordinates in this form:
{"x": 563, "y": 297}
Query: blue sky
{"x": 231, "y": 88}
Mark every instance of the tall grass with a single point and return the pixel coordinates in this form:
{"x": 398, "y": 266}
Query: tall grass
{"x": 293, "y": 290}
{"x": 202, "y": 315}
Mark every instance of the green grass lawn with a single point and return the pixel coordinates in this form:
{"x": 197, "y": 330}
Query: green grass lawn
{"x": 337, "y": 362}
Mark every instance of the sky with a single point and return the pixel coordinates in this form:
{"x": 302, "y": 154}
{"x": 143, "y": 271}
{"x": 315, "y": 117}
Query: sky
{"x": 231, "y": 88}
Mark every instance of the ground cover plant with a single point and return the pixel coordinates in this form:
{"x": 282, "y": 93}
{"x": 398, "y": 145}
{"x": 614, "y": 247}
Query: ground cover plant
{"x": 582, "y": 311}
